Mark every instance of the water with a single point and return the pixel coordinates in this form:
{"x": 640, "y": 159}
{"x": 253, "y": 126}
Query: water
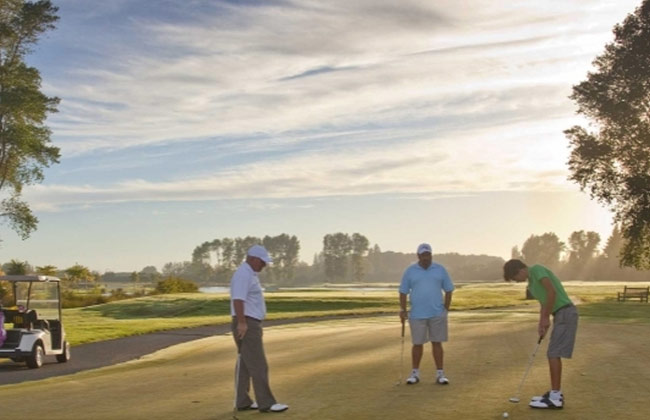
{"x": 214, "y": 289}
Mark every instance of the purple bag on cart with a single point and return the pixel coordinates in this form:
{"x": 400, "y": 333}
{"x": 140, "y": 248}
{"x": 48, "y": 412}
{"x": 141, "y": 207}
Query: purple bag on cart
{"x": 3, "y": 333}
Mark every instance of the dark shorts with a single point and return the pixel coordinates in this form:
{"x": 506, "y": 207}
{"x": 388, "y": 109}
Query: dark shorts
{"x": 563, "y": 336}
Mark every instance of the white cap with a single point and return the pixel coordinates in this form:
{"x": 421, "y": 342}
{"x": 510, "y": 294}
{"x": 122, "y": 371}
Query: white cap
{"x": 259, "y": 251}
{"x": 422, "y": 248}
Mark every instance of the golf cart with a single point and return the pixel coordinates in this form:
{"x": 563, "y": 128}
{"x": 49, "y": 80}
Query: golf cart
{"x": 33, "y": 321}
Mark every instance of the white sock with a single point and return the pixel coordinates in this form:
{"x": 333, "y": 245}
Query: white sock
{"x": 416, "y": 372}
{"x": 440, "y": 373}
{"x": 555, "y": 395}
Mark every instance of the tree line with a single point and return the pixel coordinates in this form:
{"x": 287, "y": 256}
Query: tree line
{"x": 580, "y": 257}
{"x": 348, "y": 258}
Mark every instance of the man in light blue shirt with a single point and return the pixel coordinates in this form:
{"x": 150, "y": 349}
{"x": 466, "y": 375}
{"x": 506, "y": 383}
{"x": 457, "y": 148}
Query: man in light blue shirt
{"x": 423, "y": 283}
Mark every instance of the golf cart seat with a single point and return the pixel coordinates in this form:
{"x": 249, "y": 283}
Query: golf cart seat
{"x": 20, "y": 319}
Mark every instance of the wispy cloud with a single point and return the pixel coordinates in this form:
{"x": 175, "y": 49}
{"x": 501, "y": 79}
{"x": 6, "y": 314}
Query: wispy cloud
{"x": 311, "y": 98}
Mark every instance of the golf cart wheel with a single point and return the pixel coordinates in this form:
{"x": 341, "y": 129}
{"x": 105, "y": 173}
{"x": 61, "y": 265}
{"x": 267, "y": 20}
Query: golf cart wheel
{"x": 65, "y": 356}
{"x": 35, "y": 360}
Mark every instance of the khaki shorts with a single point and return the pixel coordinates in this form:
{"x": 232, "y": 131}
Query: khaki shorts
{"x": 430, "y": 329}
{"x": 563, "y": 336}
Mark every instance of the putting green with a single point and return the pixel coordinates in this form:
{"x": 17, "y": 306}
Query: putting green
{"x": 347, "y": 369}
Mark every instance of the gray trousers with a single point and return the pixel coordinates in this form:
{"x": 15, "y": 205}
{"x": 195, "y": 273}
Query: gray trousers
{"x": 252, "y": 366}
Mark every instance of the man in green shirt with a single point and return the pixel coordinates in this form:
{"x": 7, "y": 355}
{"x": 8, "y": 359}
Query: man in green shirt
{"x": 548, "y": 290}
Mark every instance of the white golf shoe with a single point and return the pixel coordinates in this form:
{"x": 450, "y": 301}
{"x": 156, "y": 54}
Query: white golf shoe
{"x": 442, "y": 380}
{"x": 413, "y": 379}
{"x": 546, "y": 402}
{"x": 277, "y": 408}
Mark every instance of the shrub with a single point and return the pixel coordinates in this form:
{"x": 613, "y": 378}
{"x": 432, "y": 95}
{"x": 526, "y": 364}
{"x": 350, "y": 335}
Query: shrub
{"x": 70, "y": 299}
{"x": 175, "y": 285}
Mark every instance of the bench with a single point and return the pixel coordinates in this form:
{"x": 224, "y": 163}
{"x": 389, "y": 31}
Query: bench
{"x": 640, "y": 293}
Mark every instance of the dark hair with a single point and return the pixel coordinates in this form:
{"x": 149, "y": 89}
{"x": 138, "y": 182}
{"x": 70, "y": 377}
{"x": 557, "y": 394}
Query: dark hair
{"x": 511, "y": 268}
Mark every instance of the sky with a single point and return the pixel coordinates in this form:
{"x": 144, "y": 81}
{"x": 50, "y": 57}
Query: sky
{"x": 183, "y": 121}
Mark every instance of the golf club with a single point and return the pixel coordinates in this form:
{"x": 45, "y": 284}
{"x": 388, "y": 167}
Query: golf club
{"x": 234, "y": 406}
{"x": 401, "y": 364}
{"x": 515, "y": 399}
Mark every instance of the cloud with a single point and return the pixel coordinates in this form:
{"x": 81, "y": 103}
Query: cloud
{"x": 309, "y": 98}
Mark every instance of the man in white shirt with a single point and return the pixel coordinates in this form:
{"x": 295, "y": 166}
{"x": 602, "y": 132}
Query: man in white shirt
{"x": 248, "y": 309}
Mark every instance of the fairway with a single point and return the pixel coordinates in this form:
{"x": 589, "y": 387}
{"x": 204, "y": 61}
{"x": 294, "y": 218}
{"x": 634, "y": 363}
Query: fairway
{"x": 347, "y": 369}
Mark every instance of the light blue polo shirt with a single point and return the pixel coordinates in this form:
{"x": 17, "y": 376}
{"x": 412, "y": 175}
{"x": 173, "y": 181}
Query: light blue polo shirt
{"x": 424, "y": 288}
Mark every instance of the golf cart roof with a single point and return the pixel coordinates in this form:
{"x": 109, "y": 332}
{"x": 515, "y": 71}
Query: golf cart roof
{"x": 32, "y": 277}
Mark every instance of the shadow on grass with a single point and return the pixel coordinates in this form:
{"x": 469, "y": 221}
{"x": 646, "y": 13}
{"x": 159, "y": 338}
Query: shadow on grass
{"x": 611, "y": 310}
{"x": 188, "y": 307}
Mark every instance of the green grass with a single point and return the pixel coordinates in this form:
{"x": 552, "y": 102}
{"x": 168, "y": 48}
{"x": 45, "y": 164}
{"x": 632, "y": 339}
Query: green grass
{"x": 163, "y": 312}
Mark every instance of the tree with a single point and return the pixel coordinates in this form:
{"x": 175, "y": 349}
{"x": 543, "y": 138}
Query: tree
{"x": 284, "y": 250}
{"x": 78, "y": 273}
{"x": 583, "y": 246}
{"x": 135, "y": 279}
{"x": 613, "y": 163}
{"x": 360, "y": 245}
{"x": 614, "y": 244}
{"x": 542, "y": 249}
{"x": 16, "y": 267}
{"x": 47, "y": 270}
{"x": 24, "y": 138}
{"x": 336, "y": 248}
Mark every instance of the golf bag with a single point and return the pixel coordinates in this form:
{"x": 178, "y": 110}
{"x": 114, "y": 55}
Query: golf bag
{"x": 3, "y": 333}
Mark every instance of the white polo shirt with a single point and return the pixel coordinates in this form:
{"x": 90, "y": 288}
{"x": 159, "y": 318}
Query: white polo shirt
{"x": 245, "y": 285}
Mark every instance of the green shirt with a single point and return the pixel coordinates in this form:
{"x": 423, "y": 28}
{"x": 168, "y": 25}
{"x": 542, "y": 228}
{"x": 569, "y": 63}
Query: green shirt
{"x": 535, "y": 275}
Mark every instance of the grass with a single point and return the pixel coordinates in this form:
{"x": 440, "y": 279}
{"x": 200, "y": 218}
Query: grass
{"x": 163, "y": 312}
{"x": 348, "y": 368}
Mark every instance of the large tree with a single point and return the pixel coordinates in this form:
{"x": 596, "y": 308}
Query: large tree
{"x": 24, "y": 138}
{"x": 611, "y": 159}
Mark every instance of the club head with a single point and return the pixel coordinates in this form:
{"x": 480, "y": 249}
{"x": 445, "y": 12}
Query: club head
{"x": 514, "y": 399}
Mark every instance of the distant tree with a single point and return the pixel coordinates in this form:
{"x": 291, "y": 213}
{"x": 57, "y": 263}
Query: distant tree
{"x": 228, "y": 254}
{"x": 241, "y": 248}
{"x": 16, "y": 268}
{"x": 543, "y": 249}
{"x": 284, "y": 250}
{"x": 135, "y": 279}
{"x": 583, "y": 247}
{"x": 360, "y": 245}
{"x": 201, "y": 253}
{"x": 24, "y": 138}
{"x": 149, "y": 274}
{"x": 77, "y": 274}
{"x": 613, "y": 163}
{"x": 614, "y": 244}
{"x": 47, "y": 270}
{"x": 173, "y": 269}
{"x": 336, "y": 249}
{"x": 515, "y": 254}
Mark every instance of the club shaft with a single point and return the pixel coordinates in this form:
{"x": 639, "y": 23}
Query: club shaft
{"x": 530, "y": 363}
{"x": 237, "y": 366}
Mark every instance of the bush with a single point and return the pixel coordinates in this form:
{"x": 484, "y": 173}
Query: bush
{"x": 70, "y": 299}
{"x": 175, "y": 285}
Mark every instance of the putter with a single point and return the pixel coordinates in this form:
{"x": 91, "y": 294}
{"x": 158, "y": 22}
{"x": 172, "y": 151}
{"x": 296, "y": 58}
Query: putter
{"x": 234, "y": 405}
{"x": 401, "y": 364}
{"x": 515, "y": 399}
